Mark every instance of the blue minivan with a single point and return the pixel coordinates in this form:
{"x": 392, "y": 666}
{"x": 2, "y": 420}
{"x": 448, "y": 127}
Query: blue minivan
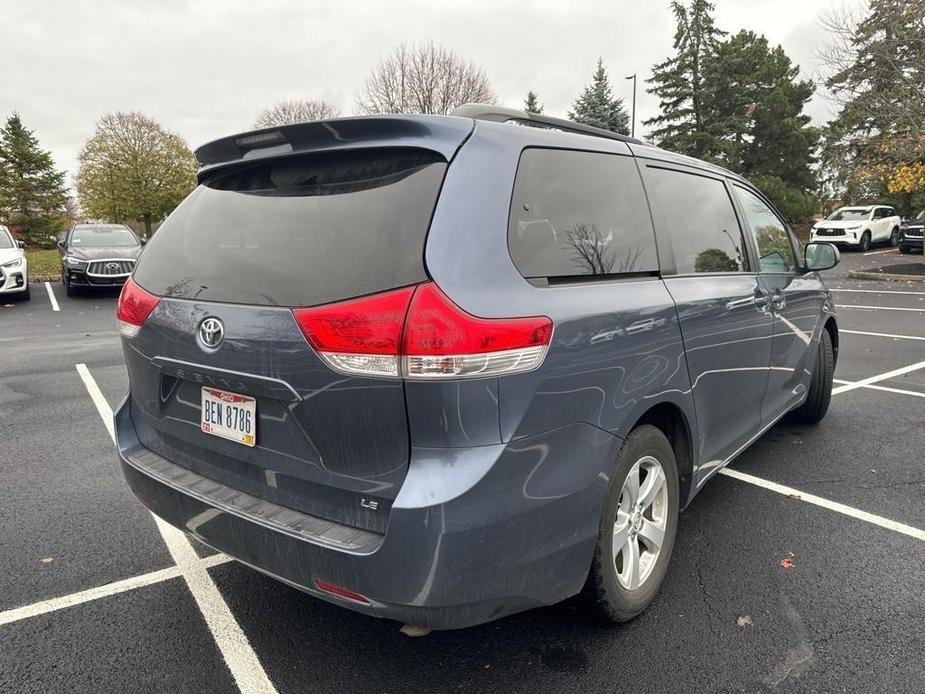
{"x": 444, "y": 369}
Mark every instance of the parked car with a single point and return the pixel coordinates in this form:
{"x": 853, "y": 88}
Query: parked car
{"x": 97, "y": 255}
{"x": 910, "y": 234}
{"x": 14, "y": 267}
{"x": 443, "y": 369}
{"x": 859, "y": 226}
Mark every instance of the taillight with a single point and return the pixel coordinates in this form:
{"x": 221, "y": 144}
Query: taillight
{"x": 135, "y": 305}
{"x": 418, "y": 333}
{"x": 361, "y": 336}
{"x": 443, "y": 341}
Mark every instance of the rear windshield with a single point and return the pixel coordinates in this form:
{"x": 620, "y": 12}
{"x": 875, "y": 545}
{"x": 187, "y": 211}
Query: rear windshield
{"x": 299, "y": 231}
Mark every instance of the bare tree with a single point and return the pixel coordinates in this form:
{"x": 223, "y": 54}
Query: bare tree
{"x": 423, "y": 79}
{"x": 295, "y": 111}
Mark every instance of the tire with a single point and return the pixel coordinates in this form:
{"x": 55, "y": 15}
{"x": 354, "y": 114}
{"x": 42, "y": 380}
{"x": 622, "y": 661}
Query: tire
{"x": 606, "y": 589}
{"x": 904, "y": 250}
{"x": 865, "y": 242}
{"x": 817, "y": 400}
{"x": 894, "y": 237}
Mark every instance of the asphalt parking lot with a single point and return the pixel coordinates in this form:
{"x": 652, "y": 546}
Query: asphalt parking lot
{"x": 94, "y": 597}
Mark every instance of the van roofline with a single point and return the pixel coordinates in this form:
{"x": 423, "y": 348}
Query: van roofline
{"x": 443, "y": 134}
{"x": 501, "y": 114}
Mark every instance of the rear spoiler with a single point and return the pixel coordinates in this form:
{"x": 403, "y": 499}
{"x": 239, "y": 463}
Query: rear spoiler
{"x": 442, "y": 134}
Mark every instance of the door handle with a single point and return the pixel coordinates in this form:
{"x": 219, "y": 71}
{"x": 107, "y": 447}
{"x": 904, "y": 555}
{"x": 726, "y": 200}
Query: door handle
{"x": 762, "y": 299}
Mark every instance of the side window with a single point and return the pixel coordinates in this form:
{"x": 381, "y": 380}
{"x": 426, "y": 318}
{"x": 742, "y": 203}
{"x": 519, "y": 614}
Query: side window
{"x": 775, "y": 252}
{"x": 878, "y": 213}
{"x": 702, "y": 225}
{"x": 579, "y": 213}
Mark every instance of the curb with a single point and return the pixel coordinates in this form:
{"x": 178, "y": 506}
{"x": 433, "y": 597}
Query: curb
{"x": 884, "y": 276}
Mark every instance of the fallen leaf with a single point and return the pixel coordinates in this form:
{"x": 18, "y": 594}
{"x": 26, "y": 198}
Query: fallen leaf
{"x": 795, "y": 496}
{"x": 48, "y": 560}
{"x": 413, "y": 631}
{"x": 787, "y": 562}
{"x": 744, "y": 620}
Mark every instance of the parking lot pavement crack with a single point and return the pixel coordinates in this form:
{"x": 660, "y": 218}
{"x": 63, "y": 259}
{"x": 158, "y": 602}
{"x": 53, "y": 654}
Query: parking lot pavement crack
{"x": 713, "y": 604}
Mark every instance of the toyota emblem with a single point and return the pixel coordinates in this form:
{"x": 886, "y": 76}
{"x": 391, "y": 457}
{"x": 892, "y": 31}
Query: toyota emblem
{"x": 211, "y": 332}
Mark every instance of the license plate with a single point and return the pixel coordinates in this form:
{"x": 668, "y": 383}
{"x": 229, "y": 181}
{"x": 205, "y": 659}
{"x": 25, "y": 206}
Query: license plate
{"x": 229, "y": 415}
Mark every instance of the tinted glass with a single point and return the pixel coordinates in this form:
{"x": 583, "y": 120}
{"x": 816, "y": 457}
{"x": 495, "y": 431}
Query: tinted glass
{"x": 299, "y": 232}
{"x": 700, "y": 220}
{"x": 5, "y": 240}
{"x": 848, "y": 215}
{"x": 775, "y": 252}
{"x": 103, "y": 237}
{"x": 579, "y": 213}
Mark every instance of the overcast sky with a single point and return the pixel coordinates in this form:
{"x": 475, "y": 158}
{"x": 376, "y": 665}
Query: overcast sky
{"x": 206, "y": 68}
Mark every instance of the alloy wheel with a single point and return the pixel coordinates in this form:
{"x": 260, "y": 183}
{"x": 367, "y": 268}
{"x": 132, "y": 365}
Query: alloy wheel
{"x": 642, "y": 518}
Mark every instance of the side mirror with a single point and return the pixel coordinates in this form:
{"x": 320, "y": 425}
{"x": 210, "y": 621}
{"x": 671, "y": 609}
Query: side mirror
{"x": 21, "y": 244}
{"x": 61, "y": 245}
{"x": 821, "y": 256}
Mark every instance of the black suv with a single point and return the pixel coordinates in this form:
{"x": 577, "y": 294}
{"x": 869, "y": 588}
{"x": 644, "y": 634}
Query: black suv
{"x": 97, "y": 255}
{"x": 910, "y": 234}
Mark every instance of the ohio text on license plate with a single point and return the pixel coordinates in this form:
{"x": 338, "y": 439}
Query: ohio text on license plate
{"x": 229, "y": 415}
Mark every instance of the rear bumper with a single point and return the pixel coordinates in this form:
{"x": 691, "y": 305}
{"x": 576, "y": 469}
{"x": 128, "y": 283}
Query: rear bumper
{"x": 475, "y": 533}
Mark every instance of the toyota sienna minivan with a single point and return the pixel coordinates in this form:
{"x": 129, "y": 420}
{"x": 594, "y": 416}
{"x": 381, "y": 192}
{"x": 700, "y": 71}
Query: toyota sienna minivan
{"x": 444, "y": 369}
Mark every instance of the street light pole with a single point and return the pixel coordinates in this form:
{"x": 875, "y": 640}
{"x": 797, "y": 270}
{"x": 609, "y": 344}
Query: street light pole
{"x": 633, "y": 120}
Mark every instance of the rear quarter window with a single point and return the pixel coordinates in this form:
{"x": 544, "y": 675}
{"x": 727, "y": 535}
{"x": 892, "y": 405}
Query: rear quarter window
{"x": 576, "y": 214}
{"x": 299, "y": 231}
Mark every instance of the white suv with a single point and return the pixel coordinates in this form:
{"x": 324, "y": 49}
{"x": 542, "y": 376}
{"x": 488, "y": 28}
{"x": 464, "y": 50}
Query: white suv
{"x": 14, "y": 277}
{"x": 859, "y": 226}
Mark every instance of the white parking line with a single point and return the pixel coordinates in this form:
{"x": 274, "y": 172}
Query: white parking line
{"x": 114, "y": 588}
{"x": 826, "y": 503}
{"x": 888, "y": 250}
{"x": 885, "y": 389}
{"x": 51, "y": 297}
{"x": 875, "y": 379}
{"x": 879, "y": 308}
{"x": 895, "y": 337}
{"x": 240, "y": 657}
{"x": 877, "y": 291}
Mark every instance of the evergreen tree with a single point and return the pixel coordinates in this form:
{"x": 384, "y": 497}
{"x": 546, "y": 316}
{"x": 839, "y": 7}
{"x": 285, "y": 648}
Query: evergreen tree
{"x": 678, "y": 82}
{"x": 877, "y": 141}
{"x": 32, "y": 191}
{"x": 752, "y": 112}
{"x": 532, "y": 103}
{"x": 596, "y": 105}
